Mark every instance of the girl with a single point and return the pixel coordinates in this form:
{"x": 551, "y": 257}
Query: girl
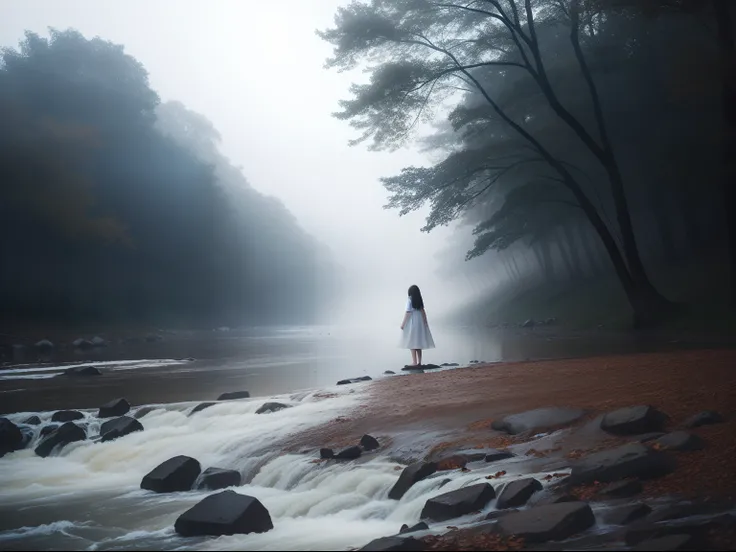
{"x": 416, "y": 334}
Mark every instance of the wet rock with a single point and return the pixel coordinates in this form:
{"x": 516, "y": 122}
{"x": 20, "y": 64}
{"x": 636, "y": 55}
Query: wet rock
{"x": 473, "y": 455}
{"x": 271, "y": 407}
{"x": 32, "y": 420}
{"x": 350, "y": 453}
{"x": 201, "y": 406}
{"x": 518, "y": 493}
{"x": 633, "y": 420}
{"x": 82, "y": 344}
{"x": 117, "y": 407}
{"x": 452, "y": 462}
{"x": 66, "y": 416}
{"x": 225, "y": 513}
{"x": 552, "y": 499}
{"x": 120, "y": 427}
{"x": 393, "y": 543}
{"x": 326, "y": 453}
{"x": 389, "y": 373}
{"x": 649, "y": 436}
{"x": 497, "y": 514}
{"x": 421, "y": 526}
{"x": 679, "y": 440}
{"x": 141, "y": 412}
{"x": 623, "y": 489}
{"x": 48, "y": 429}
{"x": 60, "y": 437}
{"x": 11, "y": 437}
{"x": 354, "y": 380}
{"x": 546, "y": 523}
{"x": 474, "y": 361}
{"x": 632, "y": 460}
{"x": 218, "y": 478}
{"x": 411, "y": 474}
{"x": 97, "y": 341}
{"x": 540, "y": 418}
{"x": 444, "y": 482}
{"x": 234, "y": 395}
{"x": 458, "y": 503}
{"x": 493, "y": 455}
{"x": 706, "y": 417}
{"x": 429, "y": 366}
{"x": 663, "y": 544}
{"x": 626, "y": 514}
{"x": 450, "y": 364}
{"x": 175, "y": 475}
{"x": 369, "y": 443}
{"x": 44, "y": 346}
{"x": 529, "y": 324}
{"x": 77, "y": 371}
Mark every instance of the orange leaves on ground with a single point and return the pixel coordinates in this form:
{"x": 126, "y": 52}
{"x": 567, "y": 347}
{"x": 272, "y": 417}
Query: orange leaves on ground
{"x": 551, "y": 476}
{"x": 480, "y": 424}
{"x": 452, "y": 463}
{"x": 496, "y": 475}
{"x": 466, "y": 540}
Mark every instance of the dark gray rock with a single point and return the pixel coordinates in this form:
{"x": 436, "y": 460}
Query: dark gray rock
{"x": 450, "y": 364}
{"x": 458, "y": 503}
{"x": 326, "y": 453}
{"x": 649, "y": 436}
{"x": 82, "y": 344}
{"x": 48, "y": 429}
{"x": 473, "y": 455}
{"x": 421, "y": 526}
{"x": 633, "y": 420}
{"x": 44, "y": 346}
{"x": 218, "y": 478}
{"x": 546, "y": 499}
{"x": 116, "y": 407}
{"x": 680, "y": 440}
{"x": 271, "y": 407}
{"x": 389, "y": 373}
{"x": 626, "y": 514}
{"x": 529, "y": 324}
{"x": 175, "y": 475}
{"x": 632, "y": 460}
{"x": 665, "y": 544}
{"x": 201, "y": 406}
{"x": 411, "y": 474}
{"x": 141, "y": 412}
{"x": 119, "y": 427}
{"x": 517, "y": 493}
{"x": 623, "y": 489}
{"x": 66, "y": 416}
{"x": 534, "y": 420}
{"x": 234, "y": 395}
{"x": 350, "y": 453}
{"x": 225, "y": 513}
{"x": 81, "y": 371}
{"x": 369, "y": 443}
{"x": 97, "y": 341}
{"x": 60, "y": 437}
{"x": 429, "y": 366}
{"x": 496, "y": 514}
{"x": 353, "y": 380}
{"x": 497, "y": 455}
{"x": 32, "y": 420}
{"x": 394, "y": 543}
{"x": 554, "y": 522}
{"x": 706, "y": 417}
{"x": 11, "y": 437}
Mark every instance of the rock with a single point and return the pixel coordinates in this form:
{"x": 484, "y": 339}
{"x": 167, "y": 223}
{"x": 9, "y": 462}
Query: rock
{"x": 649, "y": 436}
{"x": 120, "y": 427}
{"x": 353, "y": 380}
{"x": 45, "y": 346}
{"x": 696, "y": 528}
{"x": 679, "y": 440}
{"x": 517, "y": 493}
{"x": 458, "y": 503}
{"x": 350, "y": 453}
{"x": 540, "y": 418}
{"x": 669, "y": 542}
{"x": 82, "y": 371}
{"x": 494, "y": 455}
{"x": 174, "y": 475}
{"x": 429, "y": 367}
{"x": 421, "y": 526}
{"x": 444, "y": 482}
{"x": 369, "y": 443}
{"x": 389, "y": 373}
{"x": 217, "y": 478}
{"x": 32, "y": 420}
{"x": 474, "y": 455}
{"x": 326, "y": 453}
{"x": 632, "y": 460}
{"x": 474, "y": 361}
{"x": 553, "y": 499}
{"x": 117, "y": 407}
{"x": 60, "y": 437}
{"x": 411, "y": 474}
{"x": 623, "y": 489}
{"x": 271, "y": 407}
{"x": 48, "y": 429}
{"x": 626, "y": 514}
{"x": 143, "y": 411}
{"x": 706, "y": 417}
{"x": 66, "y": 416}
{"x": 529, "y": 324}
{"x": 201, "y": 406}
{"x": 97, "y": 341}
{"x": 546, "y": 523}
{"x": 450, "y": 364}
{"x": 11, "y": 437}
{"x": 496, "y": 514}
{"x": 452, "y": 462}
{"x": 82, "y": 344}
{"x": 234, "y": 395}
{"x": 633, "y": 420}
{"x": 225, "y": 513}
{"x": 394, "y": 543}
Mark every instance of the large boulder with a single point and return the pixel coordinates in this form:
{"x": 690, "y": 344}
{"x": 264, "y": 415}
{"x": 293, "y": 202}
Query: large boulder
{"x": 632, "y": 460}
{"x": 217, "y": 478}
{"x": 494, "y": 455}
{"x": 706, "y": 417}
{"x": 48, "y": 429}
{"x": 554, "y": 522}
{"x": 11, "y": 437}
{"x": 97, "y": 341}
{"x": 225, "y": 513}
{"x": 623, "y": 489}
{"x": 200, "y": 407}
{"x": 350, "y": 453}
{"x": 421, "y": 526}
{"x": 60, "y": 437}
{"x": 628, "y": 513}
{"x": 117, "y": 407}
{"x": 633, "y": 420}
{"x": 44, "y": 346}
{"x": 679, "y": 440}
{"x": 175, "y": 475}
{"x": 354, "y": 380}
{"x": 271, "y": 407}
{"x": 144, "y": 411}
{"x": 386, "y": 544}
{"x": 66, "y": 416}
{"x": 119, "y": 427}
{"x": 79, "y": 371}
{"x": 369, "y": 443}
{"x": 411, "y": 474}
{"x": 82, "y": 344}
{"x": 326, "y": 453}
{"x": 458, "y": 503}
{"x": 535, "y": 420}
{"x": 234, "y": 395}
{"x": 517, "y": 493}
{"x": 32, "y": 420}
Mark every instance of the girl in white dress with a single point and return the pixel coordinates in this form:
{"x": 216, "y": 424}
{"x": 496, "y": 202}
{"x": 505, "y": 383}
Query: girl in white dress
{"x": 416, "y": 334}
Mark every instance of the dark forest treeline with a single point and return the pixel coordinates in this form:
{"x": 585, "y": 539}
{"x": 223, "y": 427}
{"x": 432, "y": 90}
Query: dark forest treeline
{"x": 115, "y": 208}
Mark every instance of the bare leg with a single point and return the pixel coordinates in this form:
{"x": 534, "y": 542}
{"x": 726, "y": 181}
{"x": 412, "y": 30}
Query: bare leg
{"x": 419, "y": 356}
{"x": 414, "y": 357}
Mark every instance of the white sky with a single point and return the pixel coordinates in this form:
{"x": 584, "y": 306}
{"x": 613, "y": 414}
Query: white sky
{"x": 255, "y": 69}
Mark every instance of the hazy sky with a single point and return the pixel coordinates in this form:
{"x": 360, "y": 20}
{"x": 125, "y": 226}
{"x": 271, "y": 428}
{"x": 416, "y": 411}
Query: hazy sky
{"x": 255, "y": 68}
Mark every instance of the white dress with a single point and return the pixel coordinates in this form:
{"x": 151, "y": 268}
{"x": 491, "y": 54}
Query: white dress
{"x": 416, "y": 334}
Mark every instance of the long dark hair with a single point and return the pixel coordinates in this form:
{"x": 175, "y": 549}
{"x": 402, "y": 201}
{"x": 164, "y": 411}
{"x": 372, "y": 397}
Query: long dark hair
{"x": 416, "y": 298}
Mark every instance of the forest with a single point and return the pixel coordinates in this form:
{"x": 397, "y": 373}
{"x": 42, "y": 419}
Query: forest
{"x": 116, "y": 208}
{"x": 583, "y": 149}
